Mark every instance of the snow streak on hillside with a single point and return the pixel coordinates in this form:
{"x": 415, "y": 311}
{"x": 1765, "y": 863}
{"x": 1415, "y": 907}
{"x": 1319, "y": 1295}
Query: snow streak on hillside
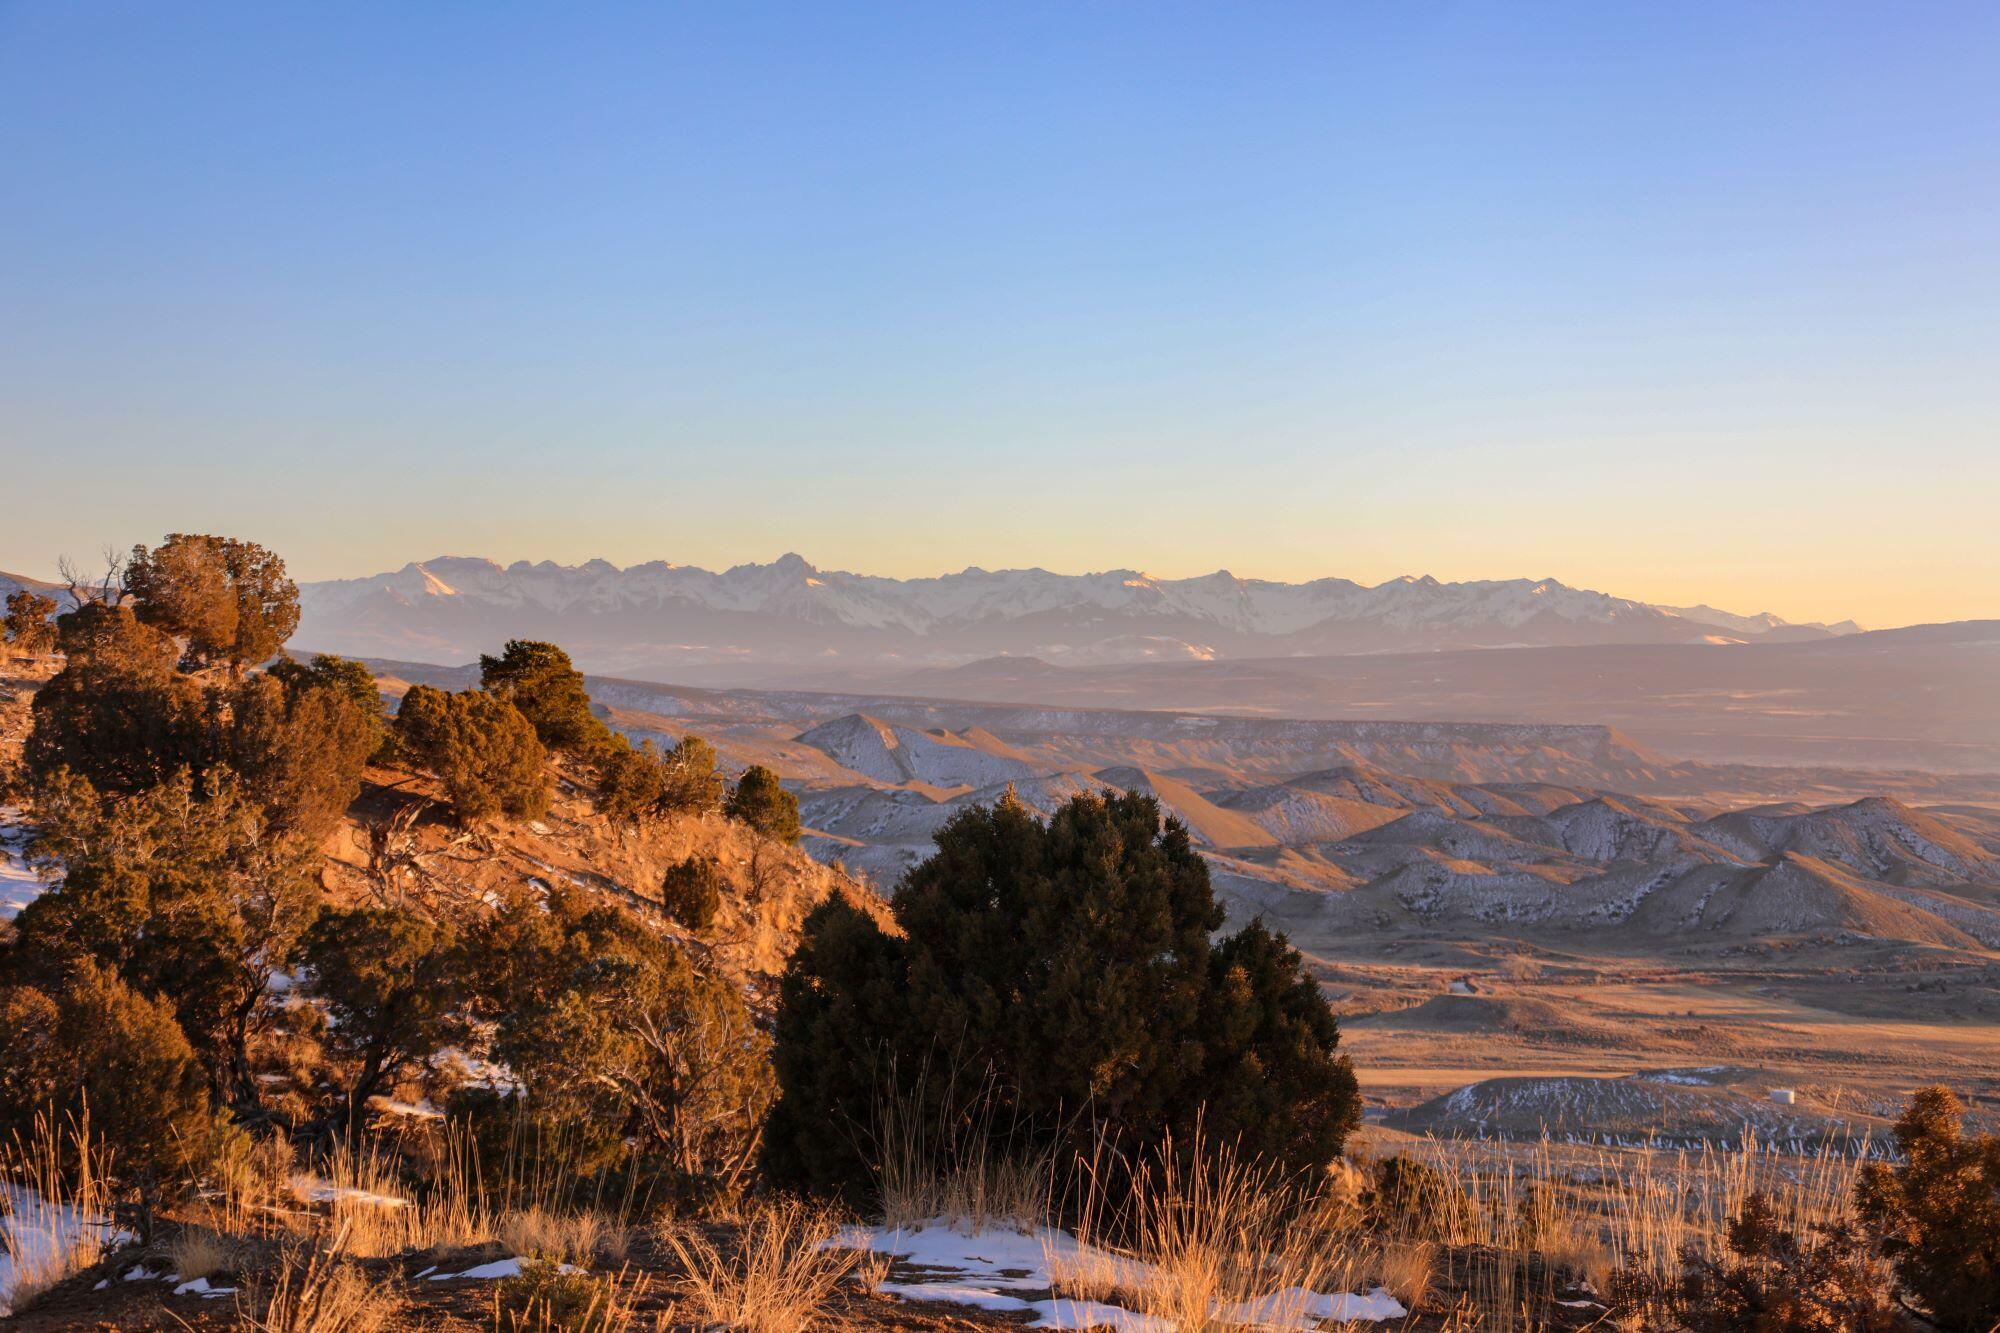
{"x": 790, "y": 608}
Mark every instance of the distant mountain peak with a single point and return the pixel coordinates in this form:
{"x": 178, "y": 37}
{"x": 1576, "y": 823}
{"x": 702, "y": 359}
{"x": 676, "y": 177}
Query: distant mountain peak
{"x": 790, "y": 610}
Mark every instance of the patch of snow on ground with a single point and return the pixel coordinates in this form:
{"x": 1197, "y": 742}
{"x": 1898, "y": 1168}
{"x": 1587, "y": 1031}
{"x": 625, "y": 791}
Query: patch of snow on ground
{"x": 311, "y": 1189}
{"x": 1298, "y": 1308}
{"x": 1092, "y": 1314}
{"x": 956, "y": 1293}
{"x": 418, "y": 1110}
{"x": 19, "y": 885}
{"x": 996, "y": 1267}
{"x": 36, "y": 1234}
{"x": 499, "y": 1268}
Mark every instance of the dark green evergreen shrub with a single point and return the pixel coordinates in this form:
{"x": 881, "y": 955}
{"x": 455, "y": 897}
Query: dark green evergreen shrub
{"x": 484, "y": 752}
{"x": 392, "y": 983}
{"x": 1068, "y": 968}
{"x": 29, "y": 623}
{"x": 545, "y": 1299}
{"x": 760, "y": 801}
{"x": 181, "y": 890}
{"x": 300, "y": 735}
{"x": 639, "y": 783}
{"x": 120, "y": 712}
{"x": 691, "y": 892}
{"x": 540, "y": 681}
{"x": 603, "y": 1017}
{"x": 97, "y": 1049}
{"x": 1407, "y": 1197}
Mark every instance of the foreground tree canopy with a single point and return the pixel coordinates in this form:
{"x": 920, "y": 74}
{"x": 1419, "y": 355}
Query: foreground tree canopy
{"x": 540, "y": 681}
{"x": 228, "y": 602}
{"x": 27, "y": 624}
{"x": 1065, "y": 972}
{"x": 184, "y": 806}
{"x": 184, "y": 777}
{"x": 484, "y": 752}
{"x": 1937, "y": 1213}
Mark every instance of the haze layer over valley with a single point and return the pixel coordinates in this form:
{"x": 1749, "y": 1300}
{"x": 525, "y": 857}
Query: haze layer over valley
{"x": 1692, "y": 681}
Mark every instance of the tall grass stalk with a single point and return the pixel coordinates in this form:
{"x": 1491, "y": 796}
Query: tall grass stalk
{"x": 59, "y": 1200}
{"x": 960, "y": 1170}
{"x": 779, "y": 1278}
{"x": 1201, "y": 1238}
{"x": 370, "y": 1213}
{"x": 318, "y": 1291}
{"x": 1523, "y": 1221}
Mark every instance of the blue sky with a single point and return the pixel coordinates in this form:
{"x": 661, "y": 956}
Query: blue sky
{"x": 1680, "y": 301}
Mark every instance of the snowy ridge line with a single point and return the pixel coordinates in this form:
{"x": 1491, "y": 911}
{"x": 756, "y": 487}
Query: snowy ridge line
{"x": 793, "y": 589}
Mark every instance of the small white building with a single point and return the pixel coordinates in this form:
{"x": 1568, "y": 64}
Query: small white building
{"x": 1784, "y": 1096}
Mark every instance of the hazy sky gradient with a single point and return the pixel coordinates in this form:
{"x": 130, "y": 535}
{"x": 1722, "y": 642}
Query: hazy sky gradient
{"x": 1684, "y": 302}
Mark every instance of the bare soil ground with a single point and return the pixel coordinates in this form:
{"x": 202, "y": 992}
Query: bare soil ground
{"x": 1850, "y": 1032}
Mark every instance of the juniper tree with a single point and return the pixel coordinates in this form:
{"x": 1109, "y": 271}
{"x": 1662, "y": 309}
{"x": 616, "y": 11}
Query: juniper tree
{"x": 300, "y": 736}
{"x": 391, "y": 983}
{"x": 1936, "y": 1214}
{"x": 27, "y": 623}
{"x": 691, "y": 892}
{"x": 1067, "y": 967}
{"x": 632, "y": 780}
{"x": 122, "y": 713}
{"x": 227, "y": 602}
{"x": 185, "y": 809}
{"x": 350, "y": 678}
{"x": 96, "y": 1047}
{"x": 183, "y": 892}
{"x": 539, "y": 680}
{"x": 484, "y": 752}
{"x": 760, "y": 801}
{"x": 639, "y": 782}
{"x": 603, "y": 1017}
{"x": 118, "y": 712}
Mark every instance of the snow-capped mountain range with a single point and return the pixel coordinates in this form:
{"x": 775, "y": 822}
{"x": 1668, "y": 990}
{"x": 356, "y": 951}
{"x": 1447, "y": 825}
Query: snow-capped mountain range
{"x": 658, "y": 614}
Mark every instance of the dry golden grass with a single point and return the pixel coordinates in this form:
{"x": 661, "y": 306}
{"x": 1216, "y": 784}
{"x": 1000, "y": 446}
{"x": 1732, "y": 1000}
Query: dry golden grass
{"x": 778, "y": 1280}
{"x": 1200, "y": 1235}
{"x": 580, "y": 1238}
{"x": 1405, "y": 1269}
{"x": 368, "y": 1209}
{"x": 1529, "y": 1219}
{"x": 871, "y": 1270}
{"x": 975, "y": 1194}
{"x": 955, "y": 1172}
{"x": 249, "y": 1190}
{"x": 614, "y": 1243}
{"x": 200, "y": 1252}
{"x": 316, "y": 1291}
{"x": 1202, "y": 1239}
{"x": 64, "y": 1228}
